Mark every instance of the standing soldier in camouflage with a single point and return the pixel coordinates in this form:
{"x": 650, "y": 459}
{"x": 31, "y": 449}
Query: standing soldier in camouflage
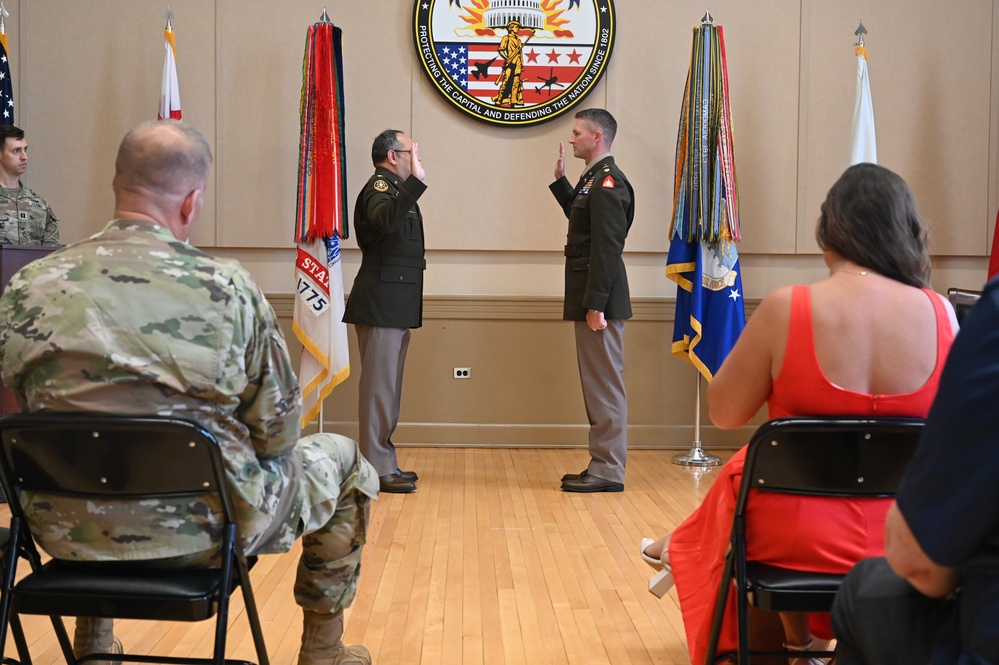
{"x": 140, "y": 322}
{"x": 25, "y": 217}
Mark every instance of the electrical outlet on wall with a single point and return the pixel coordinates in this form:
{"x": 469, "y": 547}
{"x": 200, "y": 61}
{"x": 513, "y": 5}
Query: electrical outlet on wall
{"x": 462, "y": 372}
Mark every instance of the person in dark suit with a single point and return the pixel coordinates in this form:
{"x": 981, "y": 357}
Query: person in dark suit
{"x": 600, "y": 209}
{"x": 387, "y": 297}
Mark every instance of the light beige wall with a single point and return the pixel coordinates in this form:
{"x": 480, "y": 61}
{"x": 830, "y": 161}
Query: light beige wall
{"x": 524, "y": 388}
{"x": 85, "y": 71}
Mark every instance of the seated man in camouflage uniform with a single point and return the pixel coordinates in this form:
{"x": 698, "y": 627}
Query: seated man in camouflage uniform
{"x": 134, "y": 320}
{"x": 25, "y": 217}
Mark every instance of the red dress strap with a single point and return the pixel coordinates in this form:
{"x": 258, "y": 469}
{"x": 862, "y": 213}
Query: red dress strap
{"x": 945, "y": 331}
{"x": 799, "y": 352}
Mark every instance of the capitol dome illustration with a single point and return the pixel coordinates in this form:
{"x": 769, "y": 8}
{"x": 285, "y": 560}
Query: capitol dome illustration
{"x": 526, "y": 12}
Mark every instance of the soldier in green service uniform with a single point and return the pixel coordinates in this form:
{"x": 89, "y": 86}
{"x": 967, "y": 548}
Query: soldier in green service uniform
{"x": 134, "y": 320}
{"x": 600, "y": 210}
{"x": 25, "y": 217}
{"x": 386, "y": 299}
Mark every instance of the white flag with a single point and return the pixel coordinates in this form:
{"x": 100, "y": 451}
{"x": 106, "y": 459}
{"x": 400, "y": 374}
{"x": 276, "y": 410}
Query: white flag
{"x": 170, "y": 91}
{"x": 863, "y": 144}
{"x": 318, "y": 323}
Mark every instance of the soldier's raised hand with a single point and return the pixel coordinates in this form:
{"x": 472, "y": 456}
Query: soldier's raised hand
{"x": 560, "y": 162}
{"x": 417, "y": 164}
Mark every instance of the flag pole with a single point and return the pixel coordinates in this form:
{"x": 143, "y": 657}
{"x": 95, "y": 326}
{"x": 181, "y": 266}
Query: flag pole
{"x": 697, "y": 456}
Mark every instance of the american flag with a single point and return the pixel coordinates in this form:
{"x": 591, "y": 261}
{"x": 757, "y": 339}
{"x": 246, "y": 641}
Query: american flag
{"x": 548, "y": 70}
{"x": 6, "y": 86}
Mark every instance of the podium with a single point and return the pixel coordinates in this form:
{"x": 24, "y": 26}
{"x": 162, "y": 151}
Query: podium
{"x": 12, "y": 259}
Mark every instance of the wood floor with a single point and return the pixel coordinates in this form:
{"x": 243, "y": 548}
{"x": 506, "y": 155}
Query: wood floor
{"x": 488, "y": 562}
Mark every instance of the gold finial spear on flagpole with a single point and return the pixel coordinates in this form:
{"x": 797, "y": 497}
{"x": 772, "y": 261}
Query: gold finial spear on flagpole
{"x": 3, "y": 19}
{"x": 169, "y": 19}
{"x": 860, "y": 32}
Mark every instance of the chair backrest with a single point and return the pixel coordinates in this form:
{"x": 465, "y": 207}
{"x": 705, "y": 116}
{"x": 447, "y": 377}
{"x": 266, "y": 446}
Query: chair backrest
{"x": 820, "y": 456}
{"x": 963, "y": 301}
{"x": 121, "y": 459}
{"x": 99, "y": 456}
{"x": 830, "y": 456}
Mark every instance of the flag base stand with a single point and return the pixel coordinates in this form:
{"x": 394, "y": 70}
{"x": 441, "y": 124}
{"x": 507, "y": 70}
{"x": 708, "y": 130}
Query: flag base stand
{"x": 697, "y": 456}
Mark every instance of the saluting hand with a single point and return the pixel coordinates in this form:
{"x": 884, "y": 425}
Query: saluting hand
{"x": 560, "y": 162}
{"x": 417, "y": 164}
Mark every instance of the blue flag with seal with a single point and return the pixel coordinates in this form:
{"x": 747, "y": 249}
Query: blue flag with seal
{"x": 703, "y": 259}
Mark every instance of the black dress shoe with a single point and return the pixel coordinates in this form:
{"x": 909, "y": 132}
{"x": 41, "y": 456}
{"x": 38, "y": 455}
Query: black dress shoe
{"x": 574, "y": 476}
{"x": 393, "y": 483}
{"x": 407, "y": 475}
{"x": 590, "y": 483}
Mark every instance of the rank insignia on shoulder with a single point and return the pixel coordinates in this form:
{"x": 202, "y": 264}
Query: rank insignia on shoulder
{"x": 380, "y": 185}
{"x": 608, "y": 182}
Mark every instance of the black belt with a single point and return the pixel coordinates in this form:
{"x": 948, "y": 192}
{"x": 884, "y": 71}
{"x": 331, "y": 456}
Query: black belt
{"x": 403, "y": 261}
{"x": 572, "y": 251}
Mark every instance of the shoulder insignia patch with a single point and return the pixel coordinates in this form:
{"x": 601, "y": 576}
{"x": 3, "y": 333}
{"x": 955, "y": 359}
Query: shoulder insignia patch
{"x": 608, "y": 182}
{"x": 380, "y": 185}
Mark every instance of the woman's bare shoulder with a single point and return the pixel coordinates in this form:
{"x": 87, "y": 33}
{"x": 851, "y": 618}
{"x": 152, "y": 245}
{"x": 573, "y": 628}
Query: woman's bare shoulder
{"x": 776, "y": 306}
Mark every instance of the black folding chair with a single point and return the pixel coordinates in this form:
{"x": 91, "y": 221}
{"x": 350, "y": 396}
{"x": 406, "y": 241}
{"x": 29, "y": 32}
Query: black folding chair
{"x": 20, "y": 643}
{"x": 963, "y": 301}
{"x": 836, "y": 457}
{"x": 100, "y": 457}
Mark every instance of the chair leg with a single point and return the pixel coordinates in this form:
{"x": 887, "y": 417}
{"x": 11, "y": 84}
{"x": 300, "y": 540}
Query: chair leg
{"x": 251, "y": 612}
{"x": 10, "y": 554}
{"x": 720, "y": 603}
{"x": 222, "y": 617}
{"x": 742, "y": 599}
{"x": 20, "y": 643}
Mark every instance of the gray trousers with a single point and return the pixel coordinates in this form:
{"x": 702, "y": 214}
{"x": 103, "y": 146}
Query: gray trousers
{"x": 601, "y": 372}
{"x": 383, "y": 357}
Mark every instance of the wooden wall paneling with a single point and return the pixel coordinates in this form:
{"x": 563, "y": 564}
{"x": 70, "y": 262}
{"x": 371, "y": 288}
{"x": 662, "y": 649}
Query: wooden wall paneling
{"x": 931, "y": 84}
{"x": 93, "y": 71}
{"x": 524, "y": 389}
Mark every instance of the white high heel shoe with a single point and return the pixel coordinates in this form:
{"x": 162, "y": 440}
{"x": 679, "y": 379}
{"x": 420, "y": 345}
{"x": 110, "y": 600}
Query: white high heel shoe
{"x": 655, "y": 563}
{"x": 803, "y": 660}
{"x": 662, "y": 581}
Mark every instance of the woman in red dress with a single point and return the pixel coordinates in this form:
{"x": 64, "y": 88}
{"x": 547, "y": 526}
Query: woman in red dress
{"x": 869, "y": 340}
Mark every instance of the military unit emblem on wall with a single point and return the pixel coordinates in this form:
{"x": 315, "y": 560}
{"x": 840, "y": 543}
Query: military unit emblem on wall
{"x": 514, "y": 62}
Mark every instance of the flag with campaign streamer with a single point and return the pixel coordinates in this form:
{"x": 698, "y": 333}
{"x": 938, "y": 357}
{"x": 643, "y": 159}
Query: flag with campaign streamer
{"x": 170, "y": 90}
{"x": 863, "y": 142}
{"x": 321, "y": 221}
{"x": 703, "y": 259}
{"x": 6, "y": 84}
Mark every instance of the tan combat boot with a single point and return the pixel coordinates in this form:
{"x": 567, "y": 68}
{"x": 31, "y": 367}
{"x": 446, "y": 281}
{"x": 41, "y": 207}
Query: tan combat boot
{"x": 322, "y": 642}
{"x": 95, "y": 635}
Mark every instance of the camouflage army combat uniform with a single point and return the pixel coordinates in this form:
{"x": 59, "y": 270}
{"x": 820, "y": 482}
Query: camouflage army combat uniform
{"x": 133, "y": 321}
{"x": 26, "y": 218}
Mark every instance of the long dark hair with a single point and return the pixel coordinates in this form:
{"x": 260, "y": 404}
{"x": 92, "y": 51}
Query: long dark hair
{"x": 870, "y": 217}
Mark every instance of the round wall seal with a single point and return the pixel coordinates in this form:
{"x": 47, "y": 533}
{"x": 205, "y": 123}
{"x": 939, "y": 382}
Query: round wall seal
{"x": 514, "y": 62}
